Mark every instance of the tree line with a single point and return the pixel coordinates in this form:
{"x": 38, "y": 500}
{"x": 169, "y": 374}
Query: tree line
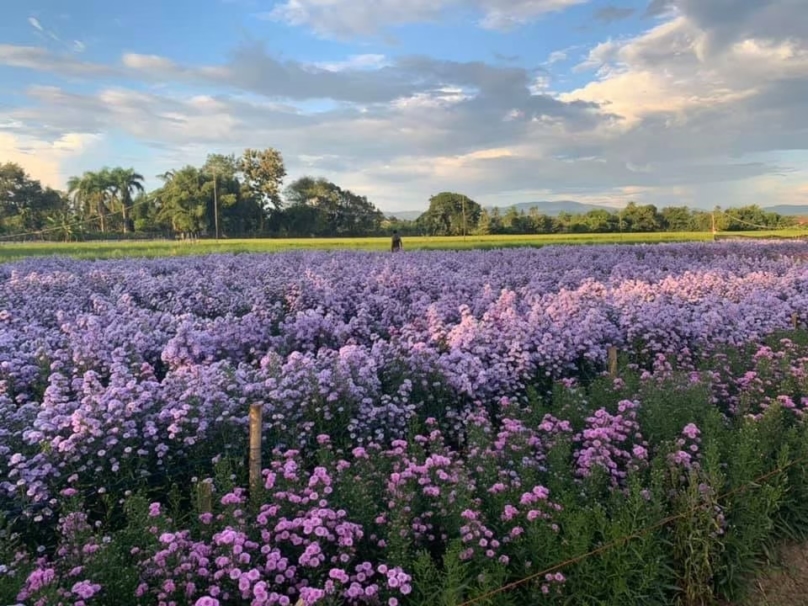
{"x": 227, "y": 196}
{"x": 243, "y": 196}
{"x": 456, "y": 214}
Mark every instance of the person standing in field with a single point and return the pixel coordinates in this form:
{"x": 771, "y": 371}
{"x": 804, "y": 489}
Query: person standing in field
{"x": 396, "y": 245}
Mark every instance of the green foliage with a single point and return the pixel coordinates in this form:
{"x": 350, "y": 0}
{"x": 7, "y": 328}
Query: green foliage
{"x": 123, "y": 182}
{"x": 15, "y": 567}
{"x": 666, "y": 535}
{"x": 318, "y": 207}
{"x": 450, "y": 214}
{"x": 634, "y": 218}
{"x": 244, "y": 194}
{"x": 183, "y": 200}
{"x": 264, "y": 172}
{"x": 447, "y": 584}
{"x": 24, "y": 204}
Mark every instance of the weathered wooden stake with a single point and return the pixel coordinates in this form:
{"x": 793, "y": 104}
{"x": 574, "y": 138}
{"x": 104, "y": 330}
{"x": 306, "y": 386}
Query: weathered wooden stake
{"x": 205, "y": 491}
{"x": 613, "y": 361}
{"x": 795, "y": 320}
{"x": 255, "y": 447}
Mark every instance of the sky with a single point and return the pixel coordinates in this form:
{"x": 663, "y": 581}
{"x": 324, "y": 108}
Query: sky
{"x": 666, "y": 102}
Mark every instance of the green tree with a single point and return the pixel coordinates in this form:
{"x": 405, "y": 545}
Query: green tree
{"x": 123, "y": 182}
{"x": 62, "y": 226}
{"x": 264, "y": 172}
{"x": 495, "y": 222}
{"x": 223, "y": 190}
{"x": 222, "y": 165}
{"x": 91, "y": 194}
{"x": 330, "y": 210}
{"x": 565, "y": 222}
{"x": 24, "y": 203}
{"x": 644, "y": 218}
{"x": 750, "y": 218}
{"x": 484, "y": 223}
{"x": 144, "y": 212}
{"x": 450, "y": 214}
{"x": 515, "y": 222}
{"x": 539, "y": 223}
{"x": 702, "y": 220}
{"x": 601, "y": 221}
{"x": 677, "y": 218}
{"x": 183, "y": 201}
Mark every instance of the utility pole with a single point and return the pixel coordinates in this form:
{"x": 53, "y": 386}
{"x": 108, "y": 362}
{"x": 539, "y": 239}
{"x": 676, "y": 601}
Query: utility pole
{"x": 215, "y": 204}
{"x": 464, "y": 218}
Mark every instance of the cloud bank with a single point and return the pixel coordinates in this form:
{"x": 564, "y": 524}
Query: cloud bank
{"x": 711, "y": 95}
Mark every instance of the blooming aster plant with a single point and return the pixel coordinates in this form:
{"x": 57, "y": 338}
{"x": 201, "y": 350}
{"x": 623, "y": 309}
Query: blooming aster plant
{"x": 414, "y": 407}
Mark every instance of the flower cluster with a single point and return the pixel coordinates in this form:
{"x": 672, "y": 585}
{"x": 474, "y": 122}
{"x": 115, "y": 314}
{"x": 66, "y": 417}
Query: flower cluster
{"x": 687, "y": 454}
{"x": 611, "y": 443}
{"x": 407, "y": 403}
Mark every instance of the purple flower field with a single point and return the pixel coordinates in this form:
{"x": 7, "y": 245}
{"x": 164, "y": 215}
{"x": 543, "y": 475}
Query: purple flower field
{"x": 435, "y": 424}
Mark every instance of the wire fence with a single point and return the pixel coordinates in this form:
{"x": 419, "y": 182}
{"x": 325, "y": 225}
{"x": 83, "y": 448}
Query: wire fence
{"x": 753, "y": 484}
{"x": 68, "y": 225}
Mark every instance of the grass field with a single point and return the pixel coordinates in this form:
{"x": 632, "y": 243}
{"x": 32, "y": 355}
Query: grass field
{"x": 160, "y": 248}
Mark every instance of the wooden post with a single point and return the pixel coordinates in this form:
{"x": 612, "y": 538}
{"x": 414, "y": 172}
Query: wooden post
{"x": 205, "y": 493}
{"x": 795, "y": 320}
{"x": 613, "y": 361}
{"x": 255, "y": 447}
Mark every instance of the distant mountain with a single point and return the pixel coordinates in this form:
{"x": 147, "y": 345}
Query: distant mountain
{"x": 406, "y": 215}
{"x": 788, "y": 211}
{"x": 555, "y": 208}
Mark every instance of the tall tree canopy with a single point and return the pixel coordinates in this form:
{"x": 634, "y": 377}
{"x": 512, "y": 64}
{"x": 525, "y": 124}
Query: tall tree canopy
{"x": 450, "y": 214}
{"x": 24, "y": 204}
{"x": 319, "y": 207}
{"x": 264, "y": 172}
{"x": 124, "y": 182}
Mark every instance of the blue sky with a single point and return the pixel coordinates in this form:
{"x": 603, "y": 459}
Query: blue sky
{"x": 697, "y": 102}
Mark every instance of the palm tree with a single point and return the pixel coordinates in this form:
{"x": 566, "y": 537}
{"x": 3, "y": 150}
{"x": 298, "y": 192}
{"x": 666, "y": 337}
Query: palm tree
{"x": 123, "y": 182}
{"x": 89, "y": 192}
{"x": 167, "y": 176}
{"x": 181, "y": 201}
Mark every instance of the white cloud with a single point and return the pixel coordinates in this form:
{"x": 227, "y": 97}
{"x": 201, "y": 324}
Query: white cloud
{"x": 370, "y": 61}
{"x": 148, "y": 62}
{"x": 35, "y": 24}
{"x": 41, "y": 59}
{"x": 668, "y": 71}
{"x": 42, "y": 159}
{"x": 507, "y": 14}
{"x": 346, "y": 18}
{"x": 443, "y": 97}
{"x": 540, "y": 85}
{"x": 689, "y": 111}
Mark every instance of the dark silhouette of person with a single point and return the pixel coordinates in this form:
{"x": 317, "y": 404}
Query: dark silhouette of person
{"x": 396, "y": 245}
